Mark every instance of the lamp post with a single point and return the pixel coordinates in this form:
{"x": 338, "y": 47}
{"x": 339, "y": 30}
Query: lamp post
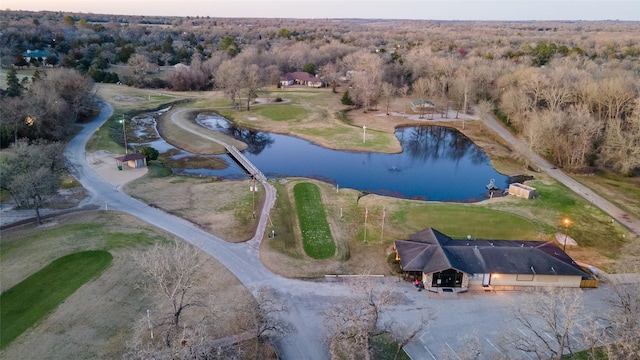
{"x": 124, "y": 133}
{"x": 566, "y": 222}
{"x": 364, "y": 134}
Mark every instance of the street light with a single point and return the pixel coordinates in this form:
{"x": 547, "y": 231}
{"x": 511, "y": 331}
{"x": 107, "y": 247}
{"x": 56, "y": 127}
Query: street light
{"x": 124, "y": 132}
{"x": 364, "y": 134}
{"x": 566, "y": 223}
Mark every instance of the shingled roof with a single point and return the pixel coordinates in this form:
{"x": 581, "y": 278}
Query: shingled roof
{"x": 129, "y": 157}
{"x": 431, "y": 251}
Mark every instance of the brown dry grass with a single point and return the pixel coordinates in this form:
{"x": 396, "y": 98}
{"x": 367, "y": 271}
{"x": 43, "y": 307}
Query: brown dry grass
{"x": 223, "y": 208}
{"x": 97, "y": 320}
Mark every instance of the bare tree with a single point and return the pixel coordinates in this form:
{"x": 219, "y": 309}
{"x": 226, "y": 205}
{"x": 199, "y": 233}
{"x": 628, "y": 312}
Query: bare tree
{"x": 620, "y": 149}
{"x": 12, "y": 116}
{"x": 548, "y": 317}
{"x": 351, "y": 322}
{"x": 31, "y": 173}
{"x": 387, "y": 91}
{"x": 484, "y": 109}
{"x": 139, "y": 67}
{"x": 366, "y": 71}
{"x": 171, "y": 271}
{"x": 402, "y": 91}
{"x": 193, "y": 77}
{"x": 330, "y": 74}
{"x": 624, "y": 318}
{"x": 421, "y": 89}
{"x": 462, "y": 89}
{"x": 228, "y": 77}
{"x": 252, "y": 81}
{"x": 403, "y": 334}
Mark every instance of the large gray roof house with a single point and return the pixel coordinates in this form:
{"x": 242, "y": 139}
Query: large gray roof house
{"x": 446, "y": 264}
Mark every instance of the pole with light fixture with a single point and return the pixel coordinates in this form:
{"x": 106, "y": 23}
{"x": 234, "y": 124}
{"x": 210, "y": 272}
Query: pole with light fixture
{"x": 566, "y": 222}
{"x": 124, "y": 133}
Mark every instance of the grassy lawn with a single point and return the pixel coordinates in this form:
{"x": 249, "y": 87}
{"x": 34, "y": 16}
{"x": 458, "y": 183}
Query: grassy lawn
{"x": 316, "y": 235}
{"x": 608, "y": 185}
{"x": 383, "y": 347}
{"x": 224, "y": 208}
{"x": 27, "y": 302}
{"x": 314, "y": 115}
{"x": 109, "y": 136}
{"x": 97, "y": 320}
{"x": 283, "y": 112}
{"x": 589, "y": 225}
{"x": 283, "y": 216}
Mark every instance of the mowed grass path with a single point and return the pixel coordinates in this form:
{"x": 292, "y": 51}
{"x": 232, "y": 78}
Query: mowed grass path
{"x": 28, "y": 301}
{"x": 316, "y": 234}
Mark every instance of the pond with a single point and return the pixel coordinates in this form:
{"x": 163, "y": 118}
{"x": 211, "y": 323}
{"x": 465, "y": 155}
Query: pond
{"x": 437, "y": 164}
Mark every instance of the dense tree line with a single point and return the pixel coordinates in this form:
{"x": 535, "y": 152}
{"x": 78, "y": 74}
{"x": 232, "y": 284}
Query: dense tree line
{"x": 569, "y": 88}
{"x": 31, "y": 172}
{"x": 46, "y": 106}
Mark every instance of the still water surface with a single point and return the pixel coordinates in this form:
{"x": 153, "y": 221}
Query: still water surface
{"x": 437, "y": 164}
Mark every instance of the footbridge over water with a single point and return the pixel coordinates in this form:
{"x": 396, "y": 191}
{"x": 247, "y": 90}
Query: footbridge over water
{"x": 245, "y": 163}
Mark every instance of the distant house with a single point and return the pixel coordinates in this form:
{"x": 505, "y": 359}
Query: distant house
{"x": 135, "y": 161}
{"x": 445, "y": 264}
{"x": 301, "y": 78}
{"x": 39, "y": 55}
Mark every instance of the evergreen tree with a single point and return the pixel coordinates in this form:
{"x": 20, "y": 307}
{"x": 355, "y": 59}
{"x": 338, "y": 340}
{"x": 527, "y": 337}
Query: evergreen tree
{"x": 14, "y": 88}
{"x": 310, "y": 68}
{"x": 149, "y": 152}
{"x": 346, "y": 99}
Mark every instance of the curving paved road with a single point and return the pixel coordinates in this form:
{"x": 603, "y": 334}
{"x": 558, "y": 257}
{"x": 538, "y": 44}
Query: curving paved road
{"x": 457, "y": 321}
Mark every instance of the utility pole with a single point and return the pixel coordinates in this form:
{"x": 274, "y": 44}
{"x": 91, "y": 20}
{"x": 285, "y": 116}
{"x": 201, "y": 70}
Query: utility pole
{"x": 566, "y": 222}
{"x": 124, "y": 133}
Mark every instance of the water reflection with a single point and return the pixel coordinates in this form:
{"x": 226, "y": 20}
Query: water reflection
{"x": 433, "y": 142}
{"x": 256, "y": 140}
{"x": 438, "y": 163}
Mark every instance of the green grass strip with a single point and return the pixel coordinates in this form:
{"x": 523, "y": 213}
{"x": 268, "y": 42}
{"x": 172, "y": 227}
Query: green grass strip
{"x": 27, "y": 302}
{"x": 316, "y": 234}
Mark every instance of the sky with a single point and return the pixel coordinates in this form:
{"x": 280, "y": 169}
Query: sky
{"x": 628, "y": 10}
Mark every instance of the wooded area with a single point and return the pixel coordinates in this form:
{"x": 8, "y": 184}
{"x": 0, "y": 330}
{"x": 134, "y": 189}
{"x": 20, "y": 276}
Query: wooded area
{"x": 569, "y": 87}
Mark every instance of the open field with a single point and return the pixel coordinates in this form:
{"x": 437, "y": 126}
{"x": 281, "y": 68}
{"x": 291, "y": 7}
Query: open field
{"x": 27, "y": 302}
{"x": 97, "y": 320}
{"x": 323, "y": 121}
{"x": 223, "y": 208}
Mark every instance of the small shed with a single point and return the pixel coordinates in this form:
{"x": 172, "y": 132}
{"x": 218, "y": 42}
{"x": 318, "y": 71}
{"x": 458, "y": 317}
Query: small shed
{"x": 521, "y": 190}
{"x": 135, "y": 161}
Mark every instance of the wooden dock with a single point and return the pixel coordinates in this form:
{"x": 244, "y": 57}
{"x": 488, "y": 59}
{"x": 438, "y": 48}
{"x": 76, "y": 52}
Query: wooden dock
{"x": 245, "y": 163}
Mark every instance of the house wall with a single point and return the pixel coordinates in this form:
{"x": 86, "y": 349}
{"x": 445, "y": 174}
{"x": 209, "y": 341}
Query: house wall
{"x": 522, "y": 191}
{"x": 137, "y": 163}
{"x": 427, "y": 279}
{"x": 535, "y": 280}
